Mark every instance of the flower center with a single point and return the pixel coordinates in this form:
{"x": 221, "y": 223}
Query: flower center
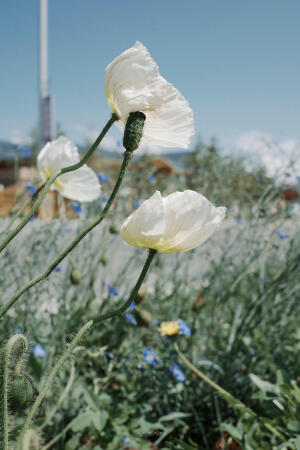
{"x": 48, "y": 173}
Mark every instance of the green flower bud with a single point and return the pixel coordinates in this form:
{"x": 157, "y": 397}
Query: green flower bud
{"x": 20, "y": 393}
{"x": 133, "y": 130}
{"x": 143, "y": 317}
{"x": 75, "y": 276}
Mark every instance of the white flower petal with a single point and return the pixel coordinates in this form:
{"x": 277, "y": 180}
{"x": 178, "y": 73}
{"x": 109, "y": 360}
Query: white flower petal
{"x": 145, "y": 226}
{"x": 185, "y": 220}
{"x": 81, "y": 185}
{"x": 133, "y": 83}
{"x": 56, "y": 155}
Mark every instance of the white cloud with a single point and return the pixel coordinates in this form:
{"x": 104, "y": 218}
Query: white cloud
{"x": 279, "y": 158}
{"x": 19, "y": 137}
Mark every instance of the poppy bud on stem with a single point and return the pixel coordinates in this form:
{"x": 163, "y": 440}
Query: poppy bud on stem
{"x": 133, "y": 130}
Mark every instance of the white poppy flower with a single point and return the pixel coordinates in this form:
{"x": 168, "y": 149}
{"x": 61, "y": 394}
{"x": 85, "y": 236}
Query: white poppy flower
{"x": 133, "y": 83}
{"x": 176, "y": 223}
{"x": 80, "y": 185}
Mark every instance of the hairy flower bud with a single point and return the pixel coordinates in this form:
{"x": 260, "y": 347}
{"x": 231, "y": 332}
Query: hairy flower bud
{"x": 133, "y": 130}
{"x": 141, "y": 295}
{"x": 20, "y": 392}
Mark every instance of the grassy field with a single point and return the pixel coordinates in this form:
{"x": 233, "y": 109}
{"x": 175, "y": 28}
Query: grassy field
{"x": 238, "y": 294}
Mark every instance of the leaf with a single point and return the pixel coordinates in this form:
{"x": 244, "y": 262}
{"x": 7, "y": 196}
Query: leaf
{"x": 233, "y": 431}
{"x": 82, "y": 421}
{"x": 100, "y": 419}
{"x": 174, "y": 416}
{"x": 264, "y": 385}
{"x": 297, "y": 443}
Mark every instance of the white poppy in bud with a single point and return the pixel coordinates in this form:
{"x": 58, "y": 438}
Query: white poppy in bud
{"x": 81, "y": 185}
{"x": 133, "y": 83}
{"x": 176, "y": 223}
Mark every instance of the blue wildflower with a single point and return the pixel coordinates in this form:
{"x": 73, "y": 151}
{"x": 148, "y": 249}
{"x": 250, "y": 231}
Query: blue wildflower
{"x": 107, "y": 356}
{"x": 76, "y": 206}
{"x": 287, "y": 174}
{"x": 26, "y": 152}
{"x": 58, "y": 269}
{"x": 103, "y": 178}
{"x": 155, "y": 322}
{"x": 126, "y": 440}
{"x": 132, "y": 306}
{"x": 65, "y": 230}
{"x": 298, "y": 178}
{"x": 141, "y": 368}
{"x": 150, "y": 357}
{"x": 39, "y": 351}
{"x": 112, "y": 290}
{"x": 18, "y": 330}
{"x": 129, "y": 317}
{"x": 104, "y": 199}
{"x": 183, "y": 328}
{"x": 177, "y": 372}
{"x": 264, "y": 277}
{"x": 136, "y": 203}
{"x": 240, "y": 221}
{"x": 30, "y": 187}
{"x": 151, "y": 178}
{"x": 281, "y": 235}
{"x": 32, "y": 218}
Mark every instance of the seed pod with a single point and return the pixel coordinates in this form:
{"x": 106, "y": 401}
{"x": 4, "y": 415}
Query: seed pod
{"x": 133, "y": 130}
{"x": 143, "y": 317}
{"x": 75, "y": 276}
{"x": 141, "y": 295}
{"x": 20, "y": 392}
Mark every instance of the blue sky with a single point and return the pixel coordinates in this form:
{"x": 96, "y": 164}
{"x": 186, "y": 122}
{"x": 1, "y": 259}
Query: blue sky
{"x": 237, "y": 62}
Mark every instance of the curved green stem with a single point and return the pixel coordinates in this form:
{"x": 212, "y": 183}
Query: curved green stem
{"x": 227, "y": 396}
{"x": 50, "y": 380}
{"x": 30, "y": 440}
{"x": 20, "y": 211}
{"x": 134, "y": 291}
{"x": 4, "y": 371}
{"x": 84, "y": 232}
{"x": 50, "y": 180}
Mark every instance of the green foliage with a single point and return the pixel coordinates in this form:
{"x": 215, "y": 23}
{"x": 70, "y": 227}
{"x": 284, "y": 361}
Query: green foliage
{"x": 239, "y": 293}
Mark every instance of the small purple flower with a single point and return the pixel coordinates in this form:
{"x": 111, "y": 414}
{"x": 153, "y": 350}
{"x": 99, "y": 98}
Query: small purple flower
{"x": 18, "y": 330}
{"x": 183, "y": 328}
{"x": 103, "y": 178}
{"x": 129, "y": 317}
{"x": 30, "y": 187}
{"x": 39, "y": 351}
{"x": 240, "y": 221}
{"x": 126, "y": 440}
{"x": 112, "y": 290}
{"x": 287, "y": 174}
{"x": 150, "y": 357}
{"x": 32, "y": 218}
{"x": 177, "y": 372}
{"x": 76, "y": 206}
{"x": 151, "y": 178}
{"x": 104, "y": 199}
{"x": 58, "y": 269}
{"x": 282, "y": 235}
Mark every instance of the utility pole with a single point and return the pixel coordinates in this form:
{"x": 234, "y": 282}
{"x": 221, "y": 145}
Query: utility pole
{"x": 47, "y": 123}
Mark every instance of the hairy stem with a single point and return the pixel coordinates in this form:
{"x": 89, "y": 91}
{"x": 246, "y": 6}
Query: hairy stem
{"x": 30, "y": 440}
{"x": 49, "y": 182}
{"x": 82, "y": 234}
{"x": 227, "y": 396}
{"x": 5, "y": 357}
{"x": 50, "y": 380}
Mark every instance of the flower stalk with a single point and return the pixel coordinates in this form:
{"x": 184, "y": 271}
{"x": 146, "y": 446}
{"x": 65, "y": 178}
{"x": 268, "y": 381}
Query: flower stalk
{"x": 51, "y": 180}
{"x": 127, "y": 157}
{"x": 227, "y": 396}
